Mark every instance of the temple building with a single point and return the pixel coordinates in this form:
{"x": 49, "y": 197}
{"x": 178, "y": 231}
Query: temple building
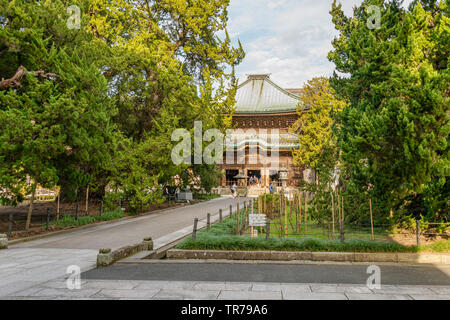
{"x": 263, "y": 114}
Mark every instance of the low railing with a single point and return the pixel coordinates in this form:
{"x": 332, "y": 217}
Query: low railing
{"x": 338, "y": 231}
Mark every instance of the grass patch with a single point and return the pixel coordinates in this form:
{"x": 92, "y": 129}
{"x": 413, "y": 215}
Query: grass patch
{"x": 207, "y": 196}
{"x": 221, "y": 237}
{"x": 297, "y": 228}
{"x": 438, "y": 246}
{"x": 245, "y": 243}
{"x": 70, "y": 221}
{"x": 325, "y": 232}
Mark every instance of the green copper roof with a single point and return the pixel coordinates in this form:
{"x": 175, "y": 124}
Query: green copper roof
{"x": 258, "y": 94}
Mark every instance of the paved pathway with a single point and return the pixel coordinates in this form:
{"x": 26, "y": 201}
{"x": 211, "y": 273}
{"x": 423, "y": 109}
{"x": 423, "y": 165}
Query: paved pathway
{"x": 279, "y": 272}
{"x": 131, "y": 231}
{"x": 24, "y": 267}
{"x": 27, "y": 264}
{"x": 180, "y": 290}
{"x": 37, "y": 270}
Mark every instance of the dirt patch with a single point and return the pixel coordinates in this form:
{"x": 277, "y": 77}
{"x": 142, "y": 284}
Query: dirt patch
{"x": 410, "y": 239}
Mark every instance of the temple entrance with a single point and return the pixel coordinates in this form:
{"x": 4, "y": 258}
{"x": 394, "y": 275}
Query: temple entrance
{"x": 262, "y": 120}
{"x": 254, "y": 177}
{"x": 230, "y": 174}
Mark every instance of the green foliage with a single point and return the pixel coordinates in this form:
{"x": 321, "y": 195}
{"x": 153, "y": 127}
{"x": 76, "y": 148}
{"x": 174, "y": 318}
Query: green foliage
{"x": 208, "y": 175}
{"x": 437, "y": 196}
{"x": 220, "y": 237}
{"x": 319, "y": 206}
{"x": 305, "y": 244}
{"x": 438, "y": 246}
{"x": 132, "y": 177}
{"x": 111, "y": 200}
{"x": 394, "y": 134}
{"x": 318, "y": 149}
{"x": 51, "y": 128}
{"x": 207, "y": 196}
{"x": 132, "y": 74}
{"x": 270, "y": 197}
{"x": 317, "y": 109}
{"x": 70, "y": 221}
{"x": 162, "y": 72}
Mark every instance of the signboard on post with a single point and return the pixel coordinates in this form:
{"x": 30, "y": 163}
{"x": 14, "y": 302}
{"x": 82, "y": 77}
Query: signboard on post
{"x": 257, "y": 220}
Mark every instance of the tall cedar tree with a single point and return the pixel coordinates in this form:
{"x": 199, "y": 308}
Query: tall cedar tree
{"x": 54, "y": 126}
{"x": 316, "y": 113}
{"x": 132, "y": 73}
{"x": 394, "y": 133}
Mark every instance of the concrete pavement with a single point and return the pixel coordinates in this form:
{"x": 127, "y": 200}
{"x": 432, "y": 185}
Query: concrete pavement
{"x": 26, "y": 267}
{"x": 263, "y": 272}
{"x": 189, "y": 290}
{"x": 38, "y": 269}
{"x": 27, "y": 264}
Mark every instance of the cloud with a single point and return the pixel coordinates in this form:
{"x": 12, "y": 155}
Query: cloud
{"x": 274, "y": 4}
{"x": 288, "y": 38}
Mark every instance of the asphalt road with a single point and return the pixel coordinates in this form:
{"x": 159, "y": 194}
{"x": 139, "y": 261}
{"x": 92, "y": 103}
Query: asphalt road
{"x": 131, "y": 231}
{"x": 288, "y": 273}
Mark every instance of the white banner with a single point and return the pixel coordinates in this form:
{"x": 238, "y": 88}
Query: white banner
{"x": 257, "y": 220}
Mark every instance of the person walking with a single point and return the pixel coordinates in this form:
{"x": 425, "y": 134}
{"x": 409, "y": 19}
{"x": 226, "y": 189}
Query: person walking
{"x": 233, "y": 190}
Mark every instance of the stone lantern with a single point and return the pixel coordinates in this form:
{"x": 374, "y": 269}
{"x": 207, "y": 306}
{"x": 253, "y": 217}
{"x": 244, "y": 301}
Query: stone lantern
{"x": 242, "y": 184}
{"x": 283, "y": 176}
{"x": 242, "y": 179}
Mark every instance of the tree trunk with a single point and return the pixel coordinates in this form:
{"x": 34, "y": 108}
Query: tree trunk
{"x": 57, "y": 208}
{"x": 332, "y": 212}
{"x": 68, "y": 192}
{"x": 306, "y": 213}
{"x": 30, "y": 208}
{"x": 371, "y": 218}
{"x": 87, "y": 199}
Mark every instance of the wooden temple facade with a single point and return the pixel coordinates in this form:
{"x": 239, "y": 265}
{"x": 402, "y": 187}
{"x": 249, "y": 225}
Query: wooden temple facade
{"x": 264, "y": 113}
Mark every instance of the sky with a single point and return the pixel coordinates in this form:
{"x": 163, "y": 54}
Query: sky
{"x": 288, "y": 38}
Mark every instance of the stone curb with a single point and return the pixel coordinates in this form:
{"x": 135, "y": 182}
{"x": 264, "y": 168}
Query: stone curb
{"x": 107, "y": 257}
{"x": 3, "y": 241}
{"x": 429, "y": 258}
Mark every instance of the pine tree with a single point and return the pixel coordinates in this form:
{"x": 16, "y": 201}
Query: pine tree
{"x": 56, "y": 120}
{"x": 394, "y": 132}
{"x": 168, "y": 67}
{"x": 97, "y": 105}
{"x": 317, "y": 142}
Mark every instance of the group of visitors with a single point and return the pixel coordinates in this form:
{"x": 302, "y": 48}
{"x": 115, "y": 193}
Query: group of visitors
{"x": 254, "y": 180}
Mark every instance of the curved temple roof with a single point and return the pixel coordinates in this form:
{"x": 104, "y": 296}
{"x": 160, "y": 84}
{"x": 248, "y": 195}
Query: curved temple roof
{"x": 237, "y": 139}
{"x": 258, "y": 94}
